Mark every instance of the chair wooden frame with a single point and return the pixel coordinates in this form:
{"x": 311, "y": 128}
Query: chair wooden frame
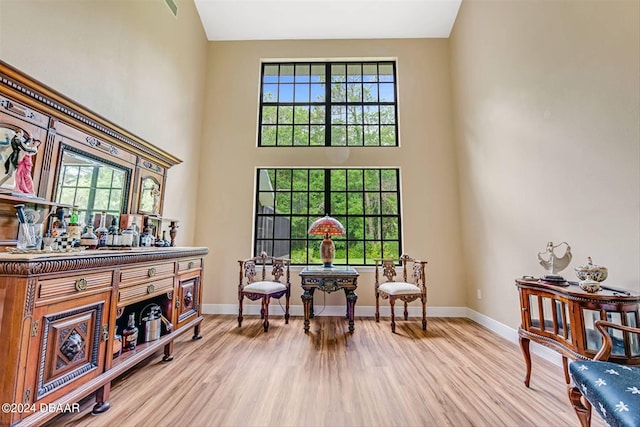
{"x": 388, "y": 267}
{"x": 580, "y": 404}
{"x": 264, "y": 288}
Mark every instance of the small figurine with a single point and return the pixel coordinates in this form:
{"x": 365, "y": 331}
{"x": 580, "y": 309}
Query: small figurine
{"x": 554, "y": 264}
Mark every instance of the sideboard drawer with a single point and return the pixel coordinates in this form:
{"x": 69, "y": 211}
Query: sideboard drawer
{"x": 132, "y": 276}
{"x": 189, "y": 264}
{"x": 142, "y": 291}
{"x": 73, "y": 285}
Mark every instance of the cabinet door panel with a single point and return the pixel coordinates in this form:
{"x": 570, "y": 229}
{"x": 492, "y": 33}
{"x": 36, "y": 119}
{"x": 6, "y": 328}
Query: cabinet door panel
{"x": 71, "y": 345}
{"x": 187, "y": 303}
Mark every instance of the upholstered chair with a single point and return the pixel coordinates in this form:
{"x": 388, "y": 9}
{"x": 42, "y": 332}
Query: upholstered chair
{"x": 612, "y": 389}
{"x": 264, "y": 277}
{"x": 406, "y": 289}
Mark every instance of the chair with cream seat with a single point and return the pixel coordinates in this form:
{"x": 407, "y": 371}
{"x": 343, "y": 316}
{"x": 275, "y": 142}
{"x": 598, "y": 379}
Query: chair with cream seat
{"x": 264, "y": 277}
{"x": 405, "y": 290}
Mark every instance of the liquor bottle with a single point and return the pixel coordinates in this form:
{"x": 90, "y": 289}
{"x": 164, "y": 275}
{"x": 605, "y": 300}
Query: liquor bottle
{"x": 73, "y": 228}
{"x": 102, "y": 231}
{"x": 89, "y": 239}
{"x": 126, "y": 237}
{"x": 117, "y": 344}
{"x": 59, "y": 225}
{"x": 130, "y": 334}
{"x": 136, "y": 235}
{"x": 112, "y": 233}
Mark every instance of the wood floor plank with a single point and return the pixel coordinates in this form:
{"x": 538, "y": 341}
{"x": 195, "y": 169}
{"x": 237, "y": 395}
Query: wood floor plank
{"x": 457, "y": 373}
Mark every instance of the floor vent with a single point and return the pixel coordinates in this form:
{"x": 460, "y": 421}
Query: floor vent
{"x": 172, "y": 6}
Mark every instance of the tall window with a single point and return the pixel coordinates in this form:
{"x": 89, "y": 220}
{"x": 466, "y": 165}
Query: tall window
{"x": 328, "y": 104}
{"x": 365, "y": 201}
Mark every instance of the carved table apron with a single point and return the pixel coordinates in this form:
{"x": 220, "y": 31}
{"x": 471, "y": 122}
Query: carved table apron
{"x": 329, "y": 279}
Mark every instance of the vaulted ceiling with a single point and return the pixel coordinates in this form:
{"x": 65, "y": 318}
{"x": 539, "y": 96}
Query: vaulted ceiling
{"x": 326, "y": 19}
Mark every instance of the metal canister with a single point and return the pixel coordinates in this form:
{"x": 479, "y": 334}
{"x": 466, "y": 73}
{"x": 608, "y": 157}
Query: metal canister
{"x": 151, "y": 322}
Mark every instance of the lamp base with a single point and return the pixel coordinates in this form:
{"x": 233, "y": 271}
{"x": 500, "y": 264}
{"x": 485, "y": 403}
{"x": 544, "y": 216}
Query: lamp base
{"x": 327, "y": 251}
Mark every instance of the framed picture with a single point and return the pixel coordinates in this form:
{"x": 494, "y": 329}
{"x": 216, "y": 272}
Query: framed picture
{"x": 17, "y": 149}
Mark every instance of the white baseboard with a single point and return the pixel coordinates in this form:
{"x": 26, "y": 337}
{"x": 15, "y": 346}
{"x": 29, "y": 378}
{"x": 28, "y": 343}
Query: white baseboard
{"x": 512, "y": 335}
{"x": 334, "y": 310}
{"x": 414, "y": 311}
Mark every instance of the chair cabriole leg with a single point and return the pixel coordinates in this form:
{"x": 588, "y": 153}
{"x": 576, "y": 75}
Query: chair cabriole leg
{"x": 265, "y": 301}
{"x": 286, "y": 308}
{"x": 580, "y": 405}
{"x": 392, "y": 302}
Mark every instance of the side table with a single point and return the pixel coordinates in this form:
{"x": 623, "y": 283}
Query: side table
{"x": 329, "y": 279}
{"x": 562, "y": 316}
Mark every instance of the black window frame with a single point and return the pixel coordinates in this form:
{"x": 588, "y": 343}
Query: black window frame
{"x": 356, "y": 120}
{"x": 270, "y": 225}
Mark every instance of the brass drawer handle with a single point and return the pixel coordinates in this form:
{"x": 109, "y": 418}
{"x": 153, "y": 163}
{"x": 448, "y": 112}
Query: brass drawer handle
{"x": 151, "y": 272}
{"x": 81, "y": 284}
{"x": 150, "y": 289}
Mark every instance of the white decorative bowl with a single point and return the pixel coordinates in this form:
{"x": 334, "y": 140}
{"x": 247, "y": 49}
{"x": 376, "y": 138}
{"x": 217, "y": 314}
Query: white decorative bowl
{"x": 591, "y": 272}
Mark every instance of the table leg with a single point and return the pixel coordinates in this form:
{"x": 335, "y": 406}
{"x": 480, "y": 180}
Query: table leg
{"x": 307, "y": 298}
{"x": 311, "y": 291}
{"x": 524, "y": 346}
{"x": 351, "y": 305}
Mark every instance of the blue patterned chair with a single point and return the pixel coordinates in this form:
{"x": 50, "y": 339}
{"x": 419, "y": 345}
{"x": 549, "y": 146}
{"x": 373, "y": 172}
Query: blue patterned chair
{"x": 612, "y": 389}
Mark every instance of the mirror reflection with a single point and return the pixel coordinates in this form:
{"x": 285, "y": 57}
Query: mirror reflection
{"x": 150, "y": 196}
{"x": 92, "y": 185}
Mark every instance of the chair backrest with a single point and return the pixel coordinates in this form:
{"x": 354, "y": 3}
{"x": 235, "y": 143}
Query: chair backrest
{"x": 389, "y": 269}
{"x": 256, "y": 268}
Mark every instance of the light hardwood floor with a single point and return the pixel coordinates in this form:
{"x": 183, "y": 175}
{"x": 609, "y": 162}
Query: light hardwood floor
{"x": 457, "y": 373}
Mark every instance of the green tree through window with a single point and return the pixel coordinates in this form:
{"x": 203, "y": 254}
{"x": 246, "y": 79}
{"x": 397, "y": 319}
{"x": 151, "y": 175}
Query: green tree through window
{"x": 328, "y": 104}
{"x": 365, "y": 201}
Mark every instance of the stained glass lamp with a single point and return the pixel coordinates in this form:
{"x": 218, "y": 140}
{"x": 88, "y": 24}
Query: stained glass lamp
{"x": 327, "y": 227}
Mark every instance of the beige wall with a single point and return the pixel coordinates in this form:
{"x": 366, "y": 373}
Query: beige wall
{"x": 131, "y": 62}
{"x": 426, "y": 158}
{"x": 546, "y": 98}
{"x": 545, "y": 101}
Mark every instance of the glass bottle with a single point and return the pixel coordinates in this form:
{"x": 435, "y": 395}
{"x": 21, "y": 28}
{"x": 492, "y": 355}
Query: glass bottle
{"x": 126, "y": 238}
{"x": 117, "y": 344}
{"x": 89, "y": 239}
{"x": 59, "y": 225}
{"x": 102, "y": 231}
{"x": 136, "y": 235}
{"x": 112, "y": 233}
{"x": 159, "y": 241}
{"x": 73, "y": 228}
{"x": 130, "y": 334}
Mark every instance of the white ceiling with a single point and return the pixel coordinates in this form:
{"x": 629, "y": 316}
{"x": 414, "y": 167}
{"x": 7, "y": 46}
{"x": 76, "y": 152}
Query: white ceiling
{"x": 328, "y": 19}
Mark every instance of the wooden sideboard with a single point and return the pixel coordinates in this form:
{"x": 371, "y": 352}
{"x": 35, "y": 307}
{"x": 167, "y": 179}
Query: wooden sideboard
{"x": 562, "y": 317}
{"x": 59, "y": 313}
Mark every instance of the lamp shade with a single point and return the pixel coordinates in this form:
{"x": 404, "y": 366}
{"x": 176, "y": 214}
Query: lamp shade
{"x": 326, "y": 226}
